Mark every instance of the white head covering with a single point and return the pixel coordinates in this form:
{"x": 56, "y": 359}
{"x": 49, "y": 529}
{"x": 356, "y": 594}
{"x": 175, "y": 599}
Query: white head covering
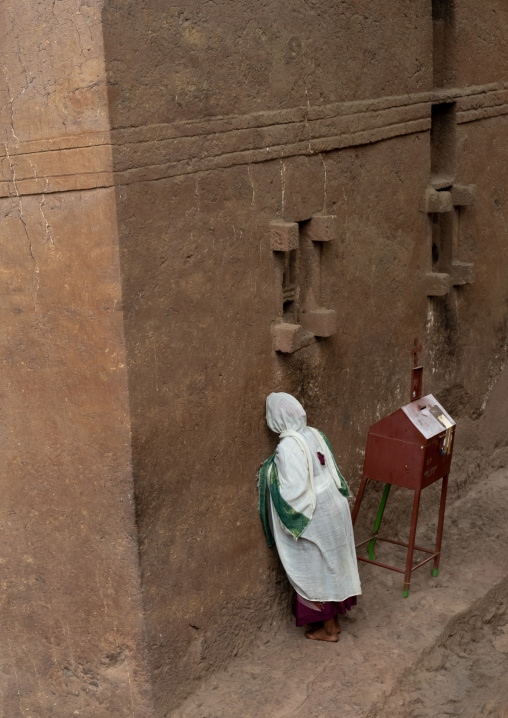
{"x": 286, "y": 416}
{"x": 284, "y": 413}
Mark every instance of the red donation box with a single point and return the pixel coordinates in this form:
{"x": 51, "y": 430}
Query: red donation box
{"x": 411, "y": 448}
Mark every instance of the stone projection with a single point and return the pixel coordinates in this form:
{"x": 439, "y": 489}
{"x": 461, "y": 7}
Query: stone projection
{"x": 203, "y": 203}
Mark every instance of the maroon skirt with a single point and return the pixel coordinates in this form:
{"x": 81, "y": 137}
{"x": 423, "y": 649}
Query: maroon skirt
{"x": 304, "y": 614}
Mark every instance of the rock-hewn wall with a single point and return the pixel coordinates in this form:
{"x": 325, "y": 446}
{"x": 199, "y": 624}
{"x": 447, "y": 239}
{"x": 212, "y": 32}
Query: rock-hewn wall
{"x": 227, "y": 116}
{"x": 70, "y": 607}
{"x": 153, "y": 146}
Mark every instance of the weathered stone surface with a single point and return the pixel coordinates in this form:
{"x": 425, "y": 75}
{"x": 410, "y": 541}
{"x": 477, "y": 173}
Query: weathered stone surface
{"x": 477, "y": 62}
{"x": 71, "y": 613}
{"x": 303, "y": 187}
{"x": 224, "y": 116}
{"x": 284, "y": 236}
{"x": 282, "y": 59}
{"x": 321, "y": 322}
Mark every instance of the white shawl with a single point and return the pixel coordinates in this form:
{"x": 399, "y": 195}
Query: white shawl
{"x": 287, "y": 417}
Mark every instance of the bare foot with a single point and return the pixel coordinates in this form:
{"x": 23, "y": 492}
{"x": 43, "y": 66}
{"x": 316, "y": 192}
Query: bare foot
{"x": 309, "y": 627}
{"x": 321, "y": 635}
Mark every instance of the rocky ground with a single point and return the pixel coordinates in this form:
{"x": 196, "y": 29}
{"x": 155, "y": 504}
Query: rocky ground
{"x": 464, "y": 674}
{"x": 443, "y": 651}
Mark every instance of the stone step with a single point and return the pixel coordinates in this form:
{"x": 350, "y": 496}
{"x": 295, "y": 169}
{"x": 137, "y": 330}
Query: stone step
{"x": 464, "y": 673}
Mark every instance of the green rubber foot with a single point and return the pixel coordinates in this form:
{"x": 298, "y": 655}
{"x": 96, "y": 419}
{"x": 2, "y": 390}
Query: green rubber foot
{"x": 405, "y": 593}
{"x": 435, "y": 571}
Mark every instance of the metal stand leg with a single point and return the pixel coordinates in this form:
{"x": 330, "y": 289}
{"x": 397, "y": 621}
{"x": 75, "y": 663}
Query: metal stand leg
{"x": 442, "y": 506}
{"x": 378, "y": 521}
{"x": 411, "y": 544}
{"x": 358, "y": 501}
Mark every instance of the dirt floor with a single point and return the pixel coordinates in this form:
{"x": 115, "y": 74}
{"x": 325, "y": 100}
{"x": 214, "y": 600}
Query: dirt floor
{"x": 443, "y": 651}
{"x": 464, "y": 674}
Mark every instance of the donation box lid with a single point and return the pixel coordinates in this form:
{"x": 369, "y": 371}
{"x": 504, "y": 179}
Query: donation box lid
{"x": 420, "y": 422}
{"x": 428, "y": 416}
{"x": 411, "y": 447}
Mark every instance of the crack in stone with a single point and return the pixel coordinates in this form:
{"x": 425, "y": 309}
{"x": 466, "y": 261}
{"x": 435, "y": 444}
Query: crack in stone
{"x": 283, "y": 183}
{"x": 35, "y": 284}
{"x": 306, "y": 120}
{"x": 11, "y": 104}
{"x": 249, "y": 172}
{"x": 47, "y": 226}
{"x": 325, "y": 181}
{"x": 35, "y": 288}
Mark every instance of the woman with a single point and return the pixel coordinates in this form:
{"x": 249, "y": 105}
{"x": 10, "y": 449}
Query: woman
{"x": 304, "y": 510}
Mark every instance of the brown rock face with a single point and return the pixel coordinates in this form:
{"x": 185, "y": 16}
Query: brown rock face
{"x": 71, "y": 617}
{"x": 201, "y": 205}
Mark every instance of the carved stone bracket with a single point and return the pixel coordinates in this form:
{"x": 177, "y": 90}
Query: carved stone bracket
{"x": 322, "y": 228}
{"x": 437, "y": 284}
{"x": 321, "y": 322}
{"x": 300, "y": 317}
{"x": 464, "y": 195}
{"x": 462, "y": 273}
{"x": 437, "y": 201}
{"x": 284, "y": 236}
{"x": 443, "y": 206}
{"x": 288, "y": 338}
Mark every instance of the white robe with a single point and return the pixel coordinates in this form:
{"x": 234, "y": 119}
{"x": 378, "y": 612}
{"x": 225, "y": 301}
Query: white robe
{"x": 321, "y": 565}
